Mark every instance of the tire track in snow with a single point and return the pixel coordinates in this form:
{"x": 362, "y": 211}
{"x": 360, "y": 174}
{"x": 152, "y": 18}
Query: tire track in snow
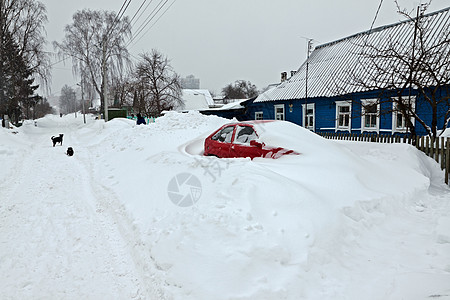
{"x": 53, "y": 242}
{"x": 109, "y": 205}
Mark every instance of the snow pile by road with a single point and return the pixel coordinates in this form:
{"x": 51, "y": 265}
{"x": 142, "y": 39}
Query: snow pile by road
{"x": 342, "y": 220}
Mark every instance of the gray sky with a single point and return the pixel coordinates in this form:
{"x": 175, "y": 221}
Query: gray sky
{"x": 220, "y": 41}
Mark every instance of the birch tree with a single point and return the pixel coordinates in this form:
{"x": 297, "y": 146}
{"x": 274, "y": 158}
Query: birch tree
{"x": 96, "y": 42}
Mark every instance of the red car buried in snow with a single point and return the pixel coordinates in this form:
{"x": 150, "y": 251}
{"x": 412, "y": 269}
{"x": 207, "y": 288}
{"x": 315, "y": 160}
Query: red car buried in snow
{"x": 242, "y": 140}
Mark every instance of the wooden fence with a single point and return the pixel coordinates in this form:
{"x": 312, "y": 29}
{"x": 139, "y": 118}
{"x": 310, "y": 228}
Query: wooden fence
{"x": 436, "y": 148}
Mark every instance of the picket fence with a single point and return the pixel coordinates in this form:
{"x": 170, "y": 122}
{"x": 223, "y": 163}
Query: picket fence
{"x": 436, "y": 148}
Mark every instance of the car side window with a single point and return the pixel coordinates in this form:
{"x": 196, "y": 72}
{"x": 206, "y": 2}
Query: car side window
{"x": 245, "y": 134}
{"x": 224, "y": 135}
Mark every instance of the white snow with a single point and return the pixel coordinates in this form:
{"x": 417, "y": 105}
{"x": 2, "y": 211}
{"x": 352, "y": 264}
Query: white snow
{"x": 196, "y": 100}
{"x": 342, "y": 220}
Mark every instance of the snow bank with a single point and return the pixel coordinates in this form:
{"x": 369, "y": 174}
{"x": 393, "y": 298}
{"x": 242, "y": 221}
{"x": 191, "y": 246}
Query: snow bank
{"x": 260, "y": 228}
{"x": 342, "y": 220}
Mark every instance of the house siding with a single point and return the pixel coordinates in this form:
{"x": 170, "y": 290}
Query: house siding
{"x": 325, "y": 111}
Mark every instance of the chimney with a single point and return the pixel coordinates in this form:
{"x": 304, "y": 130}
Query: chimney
{"x": 283, "y": 76}
{"x": 293, "y": 73}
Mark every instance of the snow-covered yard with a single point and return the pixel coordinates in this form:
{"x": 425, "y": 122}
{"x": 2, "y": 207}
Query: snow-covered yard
{"x": 343, "y": 220}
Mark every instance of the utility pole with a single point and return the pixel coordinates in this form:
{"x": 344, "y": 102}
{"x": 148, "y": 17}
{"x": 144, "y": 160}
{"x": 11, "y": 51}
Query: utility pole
{"x": 412, "y": 69}
{"x": 105, "y": 83}
{"x": 82, "y": 100}
{"x": 75, "y": 102}
{"x": 306, "y": 81}
{"x": 2, "y": 73}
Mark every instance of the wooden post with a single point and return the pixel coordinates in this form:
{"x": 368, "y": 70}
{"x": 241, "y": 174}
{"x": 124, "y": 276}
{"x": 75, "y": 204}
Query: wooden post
{"x": 447, "y": 160}
{"x": 442, "y": 153}
{"x": 422, "y": 144}
{"x": 432, "y": 142}
{"x": 437, "y": 152}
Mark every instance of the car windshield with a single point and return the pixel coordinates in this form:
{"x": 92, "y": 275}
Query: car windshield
{"x": 245, "y": 134}
{"x": 224, "y": 135}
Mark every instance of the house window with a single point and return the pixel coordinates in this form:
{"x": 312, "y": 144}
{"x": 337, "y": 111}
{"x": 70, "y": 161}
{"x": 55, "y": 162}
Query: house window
{"x": 370, "y": 115}
{"x": 343, "y": 115}
{"x": 279, "y": 111}
{"x": 309, "y": 116}
{"x": 399, "y": 123}
{"x": 259, "y": 115}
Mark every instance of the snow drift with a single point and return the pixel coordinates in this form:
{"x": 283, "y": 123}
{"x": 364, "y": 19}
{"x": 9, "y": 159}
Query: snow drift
{"x": 343, "y": 220}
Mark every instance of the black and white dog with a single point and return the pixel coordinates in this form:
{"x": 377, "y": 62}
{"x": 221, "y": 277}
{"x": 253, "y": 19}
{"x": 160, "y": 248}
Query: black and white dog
{"x": 57, "y": 139}
{"x": 69, "y": 151}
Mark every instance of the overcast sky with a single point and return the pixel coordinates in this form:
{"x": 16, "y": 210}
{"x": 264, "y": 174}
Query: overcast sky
{"x": 220, "y": 41}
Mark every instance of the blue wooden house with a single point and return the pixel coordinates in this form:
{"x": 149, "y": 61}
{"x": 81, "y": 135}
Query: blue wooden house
{"x": 342, "y": 86}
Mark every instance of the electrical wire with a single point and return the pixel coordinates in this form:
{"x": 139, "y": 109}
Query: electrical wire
{"x": 164, "y": 12}
{"x": 59, "y": 61}
{"x": 119, "y": 16}
{"x": 376, "y": 15}
{"x": 149, "y": 18}
{"x": 145, "y": 9}
{"x": 137, "y": 11}
{"x": 147, "y": 21}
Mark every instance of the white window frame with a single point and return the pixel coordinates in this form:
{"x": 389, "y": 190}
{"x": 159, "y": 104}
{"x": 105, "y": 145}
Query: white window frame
{"x": 281, "y": 114}
{"x": 365, "y": 102}
{"x": 342, "y": 104}
{"x": 395, "y": 113}
{"x": 304, "y": 111}
{"x": 259, "y": 113}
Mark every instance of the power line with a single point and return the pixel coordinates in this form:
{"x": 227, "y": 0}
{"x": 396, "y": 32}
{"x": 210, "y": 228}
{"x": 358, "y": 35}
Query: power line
{"x": 61, "y": 60}
{"x": 371, "y": 27}
{"x": 119, "y": 16}
{"x": 376, "y": 15}
{"x": 140, "y": 15}
{"x": 147, "y": 21}
{"x": 164, "y": 12}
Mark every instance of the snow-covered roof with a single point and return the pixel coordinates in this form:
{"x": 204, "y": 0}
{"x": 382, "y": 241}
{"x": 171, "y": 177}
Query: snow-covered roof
{"x": 331, "y": 66}
{"x": 232, "y": 105}
{"x": 196, "y": 99}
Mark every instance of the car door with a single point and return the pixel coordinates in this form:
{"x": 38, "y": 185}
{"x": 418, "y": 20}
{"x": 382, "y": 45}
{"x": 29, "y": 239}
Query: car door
{"x": 241, "y": 147}
{"x": 220, "y": 143}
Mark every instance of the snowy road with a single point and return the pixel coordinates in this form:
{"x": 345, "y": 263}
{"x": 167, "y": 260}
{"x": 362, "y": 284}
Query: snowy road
{"x": 58, "y": 237}
{"x": 343, "y": 220}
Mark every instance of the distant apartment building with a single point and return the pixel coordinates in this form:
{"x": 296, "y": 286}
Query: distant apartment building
{"x": 190, "y": 82}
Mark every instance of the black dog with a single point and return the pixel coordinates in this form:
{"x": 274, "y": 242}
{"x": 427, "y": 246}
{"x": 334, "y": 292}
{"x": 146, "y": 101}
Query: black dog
{"x": 57, "y": 139}
{"x": 70, "y": 151}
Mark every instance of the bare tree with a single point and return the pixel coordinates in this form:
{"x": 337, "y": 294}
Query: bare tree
{"x": 96, "y": 42}
{"x": 240, "y": 89}
{"x": 418, "y": 63}
{"x": 68, "y": 100}
{"x": 22, "y": 58}
{"x": 157, "y": 86}
{"x": 122, "y": 90}
{"x": 25, "y": 20}
{"x": 42, "y": 108}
